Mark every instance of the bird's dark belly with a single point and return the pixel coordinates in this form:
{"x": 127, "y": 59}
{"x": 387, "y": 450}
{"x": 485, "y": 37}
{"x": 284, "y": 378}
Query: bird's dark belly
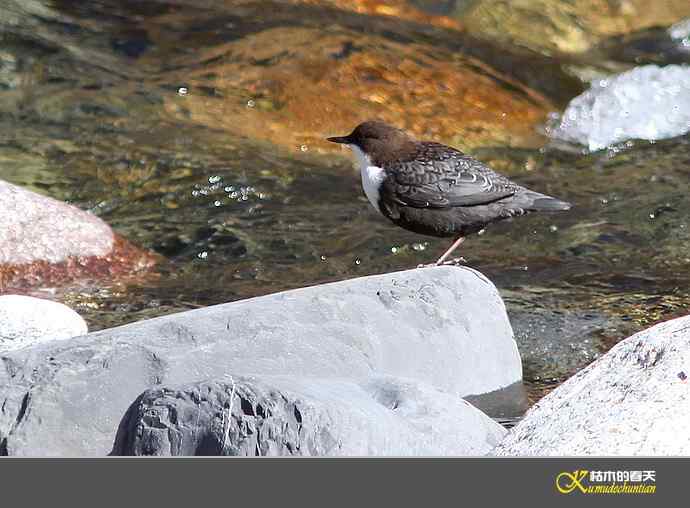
{"x": 450, "y": 222}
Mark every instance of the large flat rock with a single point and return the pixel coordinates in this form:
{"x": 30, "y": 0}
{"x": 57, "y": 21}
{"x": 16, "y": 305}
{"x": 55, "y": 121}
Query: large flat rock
{"x": 278, "y": 416}
{"x": 446, "y": 327}
{"x": 634, "y": 400}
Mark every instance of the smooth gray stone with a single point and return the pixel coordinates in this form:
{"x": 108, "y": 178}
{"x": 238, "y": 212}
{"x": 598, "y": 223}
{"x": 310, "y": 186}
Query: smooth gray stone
{"x": 292, "y": 416}
{"x": 446, "y": 327}
{"x": 634, "y": 400}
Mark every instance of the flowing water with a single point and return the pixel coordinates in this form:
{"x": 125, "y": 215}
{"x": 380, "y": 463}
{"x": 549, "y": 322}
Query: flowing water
{"x": 99, "y": 106}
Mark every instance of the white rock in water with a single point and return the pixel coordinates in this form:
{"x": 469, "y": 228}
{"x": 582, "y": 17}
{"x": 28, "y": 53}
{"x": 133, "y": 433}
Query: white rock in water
{"x": 681, "y": 31}
{"x": 648, "y": 102}
{"x": 25, "y": 321}
{"x": 634, "y": 400}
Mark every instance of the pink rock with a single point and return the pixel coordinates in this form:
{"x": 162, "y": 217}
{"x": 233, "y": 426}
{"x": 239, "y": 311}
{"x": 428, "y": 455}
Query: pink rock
{"x": 38, "y": 228}
{"x": 45, "y": 241}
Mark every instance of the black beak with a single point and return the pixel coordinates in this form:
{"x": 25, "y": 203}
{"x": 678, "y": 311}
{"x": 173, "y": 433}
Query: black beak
{"x": 340, "y": 139}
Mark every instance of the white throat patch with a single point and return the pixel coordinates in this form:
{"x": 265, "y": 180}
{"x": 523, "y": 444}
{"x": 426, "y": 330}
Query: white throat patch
{"x": 372, "y": 176}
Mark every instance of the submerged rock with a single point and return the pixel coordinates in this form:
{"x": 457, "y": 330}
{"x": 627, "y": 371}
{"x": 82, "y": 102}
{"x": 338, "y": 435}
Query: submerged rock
{"x": 648, "y": 102}
{"x": 274, "y": 416}
{"x": 323, "y": 80}
{"x": 571, "y": 27}
{"x": 432, "y": 14}
{"x": 45, "y": 241}
{"x": 660, "y": 46}
{"x": 336, "y": 63}
{"x": 25, "y": 321}
{"x": 632, "y": 401}
{"x": 446, "y": 327}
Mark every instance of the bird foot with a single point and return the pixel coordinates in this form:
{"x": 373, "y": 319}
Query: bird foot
{"x": 450, "y": 262}
{"x": 454, "y": 262}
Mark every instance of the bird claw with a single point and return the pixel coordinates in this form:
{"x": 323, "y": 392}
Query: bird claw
{"x": 450, "y": 262}
{"x": 455, "y": 262}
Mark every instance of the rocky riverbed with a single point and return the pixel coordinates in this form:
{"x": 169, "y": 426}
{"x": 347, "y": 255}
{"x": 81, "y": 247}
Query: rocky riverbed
{"x": 379, "y": 365}
{"x": 371, "y": 366}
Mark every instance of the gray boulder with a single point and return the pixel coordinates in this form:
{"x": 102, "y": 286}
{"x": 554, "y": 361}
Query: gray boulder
{"x": 634, "y": 400}
{"x": 297, "y": 416}
{"x": 446, "y": 327}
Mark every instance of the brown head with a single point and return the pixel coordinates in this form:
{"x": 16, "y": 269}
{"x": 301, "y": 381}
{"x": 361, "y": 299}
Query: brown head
{"x": 379, "y": 141}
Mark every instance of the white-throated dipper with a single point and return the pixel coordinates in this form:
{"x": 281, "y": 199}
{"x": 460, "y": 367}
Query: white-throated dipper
{"x": 433, "y": 189}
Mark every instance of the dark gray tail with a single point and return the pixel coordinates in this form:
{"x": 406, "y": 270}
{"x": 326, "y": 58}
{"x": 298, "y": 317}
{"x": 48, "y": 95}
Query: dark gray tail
{"x": 543, "y": 203}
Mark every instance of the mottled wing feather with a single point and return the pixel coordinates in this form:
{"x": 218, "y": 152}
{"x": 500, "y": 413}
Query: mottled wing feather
{"x": 447, "y": 178}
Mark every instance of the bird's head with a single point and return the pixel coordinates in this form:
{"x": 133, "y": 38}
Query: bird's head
{"x": 378, "y": 140}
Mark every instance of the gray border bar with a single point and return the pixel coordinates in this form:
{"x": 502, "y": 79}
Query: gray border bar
{"x": 387, "y": 482}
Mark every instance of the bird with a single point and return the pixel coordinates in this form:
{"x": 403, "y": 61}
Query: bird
{"x": 433, "y": 189}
